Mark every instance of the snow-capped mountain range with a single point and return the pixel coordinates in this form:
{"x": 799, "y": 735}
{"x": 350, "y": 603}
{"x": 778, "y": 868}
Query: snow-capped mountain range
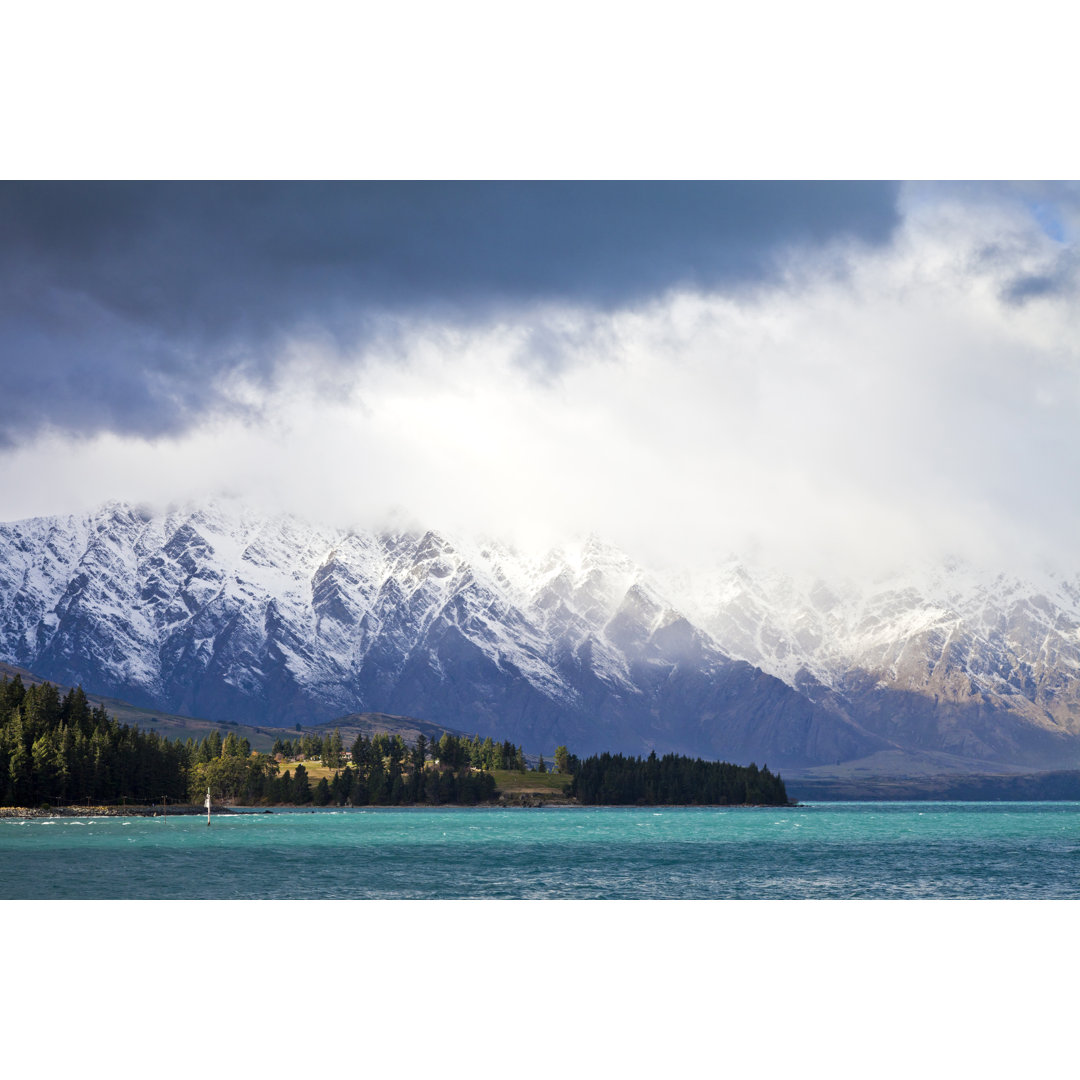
{"x": 224, "y": 612}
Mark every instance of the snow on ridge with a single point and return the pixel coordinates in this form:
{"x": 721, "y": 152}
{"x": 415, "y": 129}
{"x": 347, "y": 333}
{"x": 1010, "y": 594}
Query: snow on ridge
{"x": 789, "y": 626}
{"x": 163, "y": 582}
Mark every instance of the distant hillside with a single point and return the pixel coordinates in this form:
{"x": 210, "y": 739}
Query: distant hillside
{"x": 1061, "y": 786}
{"x": 261, "y": 737}
{"x": 10, "y": 671}
{"x": 368, "y": 724}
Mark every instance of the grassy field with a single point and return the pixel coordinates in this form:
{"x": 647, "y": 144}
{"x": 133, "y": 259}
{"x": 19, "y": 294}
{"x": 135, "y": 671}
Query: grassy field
{"x": 530, "y": 783}
{"x": 315, "y": 770}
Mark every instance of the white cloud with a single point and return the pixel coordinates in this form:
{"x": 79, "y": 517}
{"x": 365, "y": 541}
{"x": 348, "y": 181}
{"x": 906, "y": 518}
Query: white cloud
{"x": 874, "y": 407}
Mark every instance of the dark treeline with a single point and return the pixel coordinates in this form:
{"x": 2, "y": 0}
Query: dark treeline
{"x": 614, "y": 780}
{"x": 57, "y": 751}
{"x": 385, "y": 771}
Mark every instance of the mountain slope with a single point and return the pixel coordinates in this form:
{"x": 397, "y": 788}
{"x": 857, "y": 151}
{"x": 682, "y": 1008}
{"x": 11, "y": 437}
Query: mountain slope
{"x": 224, "y": 613}
{"x": 984, "y": 666}
{"x": 173, "y": 726}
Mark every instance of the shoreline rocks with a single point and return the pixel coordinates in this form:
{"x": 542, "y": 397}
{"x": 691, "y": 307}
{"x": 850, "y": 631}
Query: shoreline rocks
{"x": 107, "y": 811}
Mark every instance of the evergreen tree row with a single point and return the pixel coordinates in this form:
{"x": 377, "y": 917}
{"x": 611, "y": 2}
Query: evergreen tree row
{"x": 456, "y": 752}
{"x": 61, "y": 752}
{"x": 673, "y": 780}
{"x": 385, "y": 784}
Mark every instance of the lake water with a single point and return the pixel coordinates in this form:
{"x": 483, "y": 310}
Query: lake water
{"x": 815, "y": 851}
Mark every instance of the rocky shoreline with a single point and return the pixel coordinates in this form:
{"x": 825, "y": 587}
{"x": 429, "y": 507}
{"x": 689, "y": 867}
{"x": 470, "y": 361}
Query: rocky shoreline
{"x": 107, "y": 811}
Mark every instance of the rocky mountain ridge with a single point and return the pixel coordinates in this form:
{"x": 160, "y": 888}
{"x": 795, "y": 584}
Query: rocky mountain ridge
{"x": 982, "y": 665}
{"x": 223, "y": 612}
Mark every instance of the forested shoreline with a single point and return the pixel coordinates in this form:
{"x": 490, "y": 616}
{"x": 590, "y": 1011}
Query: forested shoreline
{"x": 59, "y": 751}
{"x": 673, "y": 780}
{"x": 383, "y": 771}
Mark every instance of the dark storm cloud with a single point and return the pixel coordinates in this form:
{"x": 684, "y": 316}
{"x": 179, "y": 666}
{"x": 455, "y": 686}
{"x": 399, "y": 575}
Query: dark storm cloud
{"x": 121, "y": 305}
{"x": 1033, "y": 286}
{"x": 1058, "y": 280}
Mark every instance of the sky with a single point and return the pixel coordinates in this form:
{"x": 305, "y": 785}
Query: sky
{"x": 821, "y": 375}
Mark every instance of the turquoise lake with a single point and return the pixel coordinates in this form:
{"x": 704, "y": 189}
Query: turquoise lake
{"x": 815, "y": 851}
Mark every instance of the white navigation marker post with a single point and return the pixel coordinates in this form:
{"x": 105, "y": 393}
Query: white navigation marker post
{"x": 207, "y": 806}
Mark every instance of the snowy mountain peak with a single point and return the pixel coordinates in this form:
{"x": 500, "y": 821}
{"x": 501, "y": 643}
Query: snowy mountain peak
{"x": 223, "y": 611}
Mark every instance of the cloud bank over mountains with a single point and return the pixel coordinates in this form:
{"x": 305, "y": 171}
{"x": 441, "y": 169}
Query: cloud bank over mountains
{"x": 145, "y": 299}
{"x": 828, "y": 377}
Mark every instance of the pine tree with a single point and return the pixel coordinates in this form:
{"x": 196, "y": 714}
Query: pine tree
{"x": 301, "y": 787}
{"x": 336, "y": 751}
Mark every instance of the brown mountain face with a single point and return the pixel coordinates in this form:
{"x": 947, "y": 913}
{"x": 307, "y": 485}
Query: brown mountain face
{"x": 989, "y": 672}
